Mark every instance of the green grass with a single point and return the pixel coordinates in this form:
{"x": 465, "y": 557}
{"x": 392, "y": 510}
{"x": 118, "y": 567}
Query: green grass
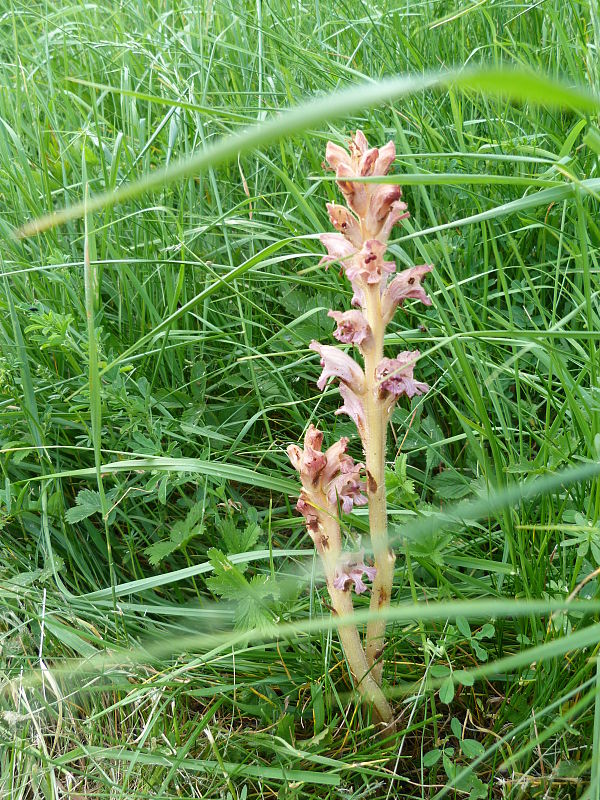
{"x": 148, "y": 392}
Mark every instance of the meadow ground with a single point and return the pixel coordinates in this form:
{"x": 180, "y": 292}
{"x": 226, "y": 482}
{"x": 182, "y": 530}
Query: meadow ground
{"x": 137, "y": 660}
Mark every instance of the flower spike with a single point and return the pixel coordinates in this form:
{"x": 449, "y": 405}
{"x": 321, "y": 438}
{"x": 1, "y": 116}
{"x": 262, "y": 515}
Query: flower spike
{"x": 332, "y": 483}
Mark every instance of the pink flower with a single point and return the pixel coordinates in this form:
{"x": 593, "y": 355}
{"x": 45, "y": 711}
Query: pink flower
{"x": 358, "y": 298}
{"x": 359, "y": 143}
{"x": 335, "y": 456}
{"x": 349, "y": 571}
{"x": 338, "y": 248}
{"x": 347, "y": 486}
{"x": 396, "y": 212}
{"x": 340, "y": 365}
{"x": 369, "y": 266}
{"x": 356, "y": 194}
{"x": 405, "y": 286}
{"x": 383, "y": 197}
{"x": 367, "y": 200}
{"x": 336, "y": 155}
{"x": 385, "y": 159}
{"x": 352, "y": 327}
{"x": 395, "y": 375}
{"x": 317, "y": 469}
{"x": 361, "y": 159}
{"x": 310, "y": 461}
{"x": 326, "y": 478}
{"x": 346, "y": 223}
{"x": 309, "y": 512}
{"x": 353, "y": 406}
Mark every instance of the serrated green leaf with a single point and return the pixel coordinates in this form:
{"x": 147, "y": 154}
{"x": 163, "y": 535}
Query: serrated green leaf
{"x": 159, "y": 551}
{"x": 456, "y": 727}
{"x": 450, "y": 485}
{"x": 228, "y": 580}
{"x": 463, "y": 626}
{"x": 431, "y": 428}
{"x": 236, "y": 540}
{"x": 182, "y": 532}
{"x": 253, "y": 599}
{"x": 88, "y": 503}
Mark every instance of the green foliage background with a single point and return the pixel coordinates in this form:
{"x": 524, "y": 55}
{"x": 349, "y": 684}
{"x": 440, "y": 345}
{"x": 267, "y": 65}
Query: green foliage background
{"x": 164, "y": 630}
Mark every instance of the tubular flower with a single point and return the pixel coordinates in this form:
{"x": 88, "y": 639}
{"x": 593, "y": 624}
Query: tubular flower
{"x": 346, "y": 223}
{"x": 353, "y": 406}
{"x": 326, "y": 478}
{"x": 338, "y": 248}
{"x": 309, "y": 512}
{"x": 310, "y": 461}
{"x": 352, "y": 327}
{"x": 362, "y": 159}
{"x": 405, "y": 286}
{"x": 355, "y": 194}
{"x": 349, "y": 572}
{"x": 368, "y": 266}
{"x": 385, "y": 159}
{"x": 347, "y": 486}
{"x": 376, "y": 205}
{"x": 315, "y": 467}
{"x": 340, "y": 365}
{"x": 382, "y": 199}
{"x": 395, "y": 375}
{"x": 396, "y": 213}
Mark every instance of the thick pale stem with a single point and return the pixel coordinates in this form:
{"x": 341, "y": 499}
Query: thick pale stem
{"x": 375, "y": 448}
{"x": 342, "y": 604}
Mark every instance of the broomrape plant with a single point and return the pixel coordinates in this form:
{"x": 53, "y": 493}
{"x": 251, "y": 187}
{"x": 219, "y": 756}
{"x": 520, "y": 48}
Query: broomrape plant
{"x": 331, "y": 480}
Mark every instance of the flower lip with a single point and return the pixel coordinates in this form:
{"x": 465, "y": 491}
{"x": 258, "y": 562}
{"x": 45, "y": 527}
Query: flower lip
{"x": 405, "y": 286}
{"x": 395, "y": 375}
{"x": 338, "y": 247}
{"x": 347, "y": 487}
{"x": 368, "y": 265}
{"x": 336, "y": 155}
{"x": 349, "y": 572}
{"x": 385, "y": 159}
{"x": 352, "y": 327}
{"x": 340, "y": 365}
{"x": 310, "y": 461}
{"x": 346, "y": 223}
{"x": 353, "y": 406}
{"x": 356, "y": 194}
